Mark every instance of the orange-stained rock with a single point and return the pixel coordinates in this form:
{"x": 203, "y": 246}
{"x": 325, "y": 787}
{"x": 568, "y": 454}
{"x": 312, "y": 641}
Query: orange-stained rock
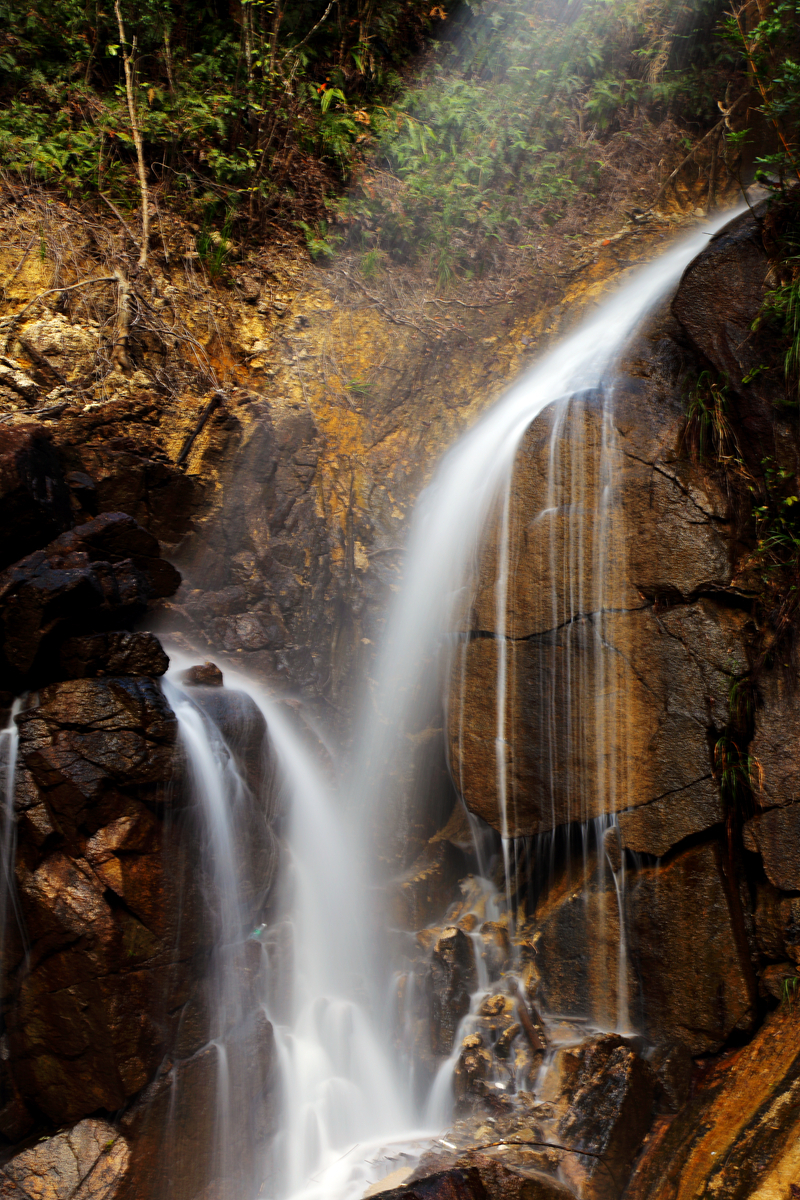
{"x": 642, "y": 684}
{"x": 87, "y": 1162}
{"x": 738, "y": 1136}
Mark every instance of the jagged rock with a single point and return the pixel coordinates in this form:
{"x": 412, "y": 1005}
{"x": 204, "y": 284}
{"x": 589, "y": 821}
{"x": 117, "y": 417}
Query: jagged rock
{"x": 739, "y": 1135}
{"x": 33, "y": 495}
{"x": 103, "y": 573}
{"x": 117, "y": 447}
{"x": 87, "y": 1162}
{"x": 113, "y": 911}
{"x": 609, "y": 1103}
{"x": 17, "y": 381}
{"x": 453, "y": 980}
{"x": 112, "y": 654}
{"x": 775, "y": 835}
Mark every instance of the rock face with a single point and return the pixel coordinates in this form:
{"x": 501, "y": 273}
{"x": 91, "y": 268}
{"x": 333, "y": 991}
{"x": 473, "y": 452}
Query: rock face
{"x": 740, "y": 1134}
{"x": 99, "y": 896}
{"x": 663, "y": 670}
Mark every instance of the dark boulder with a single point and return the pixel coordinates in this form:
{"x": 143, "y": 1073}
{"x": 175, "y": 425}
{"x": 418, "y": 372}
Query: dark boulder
{"x": 34, "y": 498}
{"x": 610, "y": 1104}
{"x": 103, "y": 574}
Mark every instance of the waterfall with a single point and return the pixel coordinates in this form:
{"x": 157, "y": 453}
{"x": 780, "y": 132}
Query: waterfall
{"x": 342, "y": 1096}
{"x": 349, "y": 1112}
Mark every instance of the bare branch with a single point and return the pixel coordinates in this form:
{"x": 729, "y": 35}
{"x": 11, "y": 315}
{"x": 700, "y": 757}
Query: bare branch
{"x": 130, "y": 91}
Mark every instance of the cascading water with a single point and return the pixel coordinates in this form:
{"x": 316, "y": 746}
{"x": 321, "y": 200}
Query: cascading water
{"x": 345, "y": 1098}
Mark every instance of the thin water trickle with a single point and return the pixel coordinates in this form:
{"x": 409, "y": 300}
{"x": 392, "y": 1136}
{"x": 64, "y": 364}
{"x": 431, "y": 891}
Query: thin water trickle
{"x": 9, "y": 741}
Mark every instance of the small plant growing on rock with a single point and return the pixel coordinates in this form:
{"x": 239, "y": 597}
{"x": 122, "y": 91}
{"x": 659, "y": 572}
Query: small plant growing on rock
{"x": 708, "y": 434}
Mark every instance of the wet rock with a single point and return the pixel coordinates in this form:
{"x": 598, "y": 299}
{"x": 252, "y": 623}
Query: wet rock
{"x": 775, "y": 835}
{"x": 474, "y": 1066}
{"x": 103, "y": 573}
{"x": 688, "y": 945}
{"x": 684, "y": 960}
{"x": 664, "y": 684}
{"x": 173, "y": 1129}
{"x": 426, "y": 889}
{"x": 610, "y": 1103}
{"x": 111, "y": 909}
{"x": 112, "y": 654}
{"x": 33, "y": 495}
{"x": 205, "y": 674}
{"x": 87, "y": 1162}
{"x": 740, "y": 1134}
{"x": 453, "y": 980}
{"x": 576, "y": 967}
{"x": 717, "y": 301}
{"x": 662, "y": 823}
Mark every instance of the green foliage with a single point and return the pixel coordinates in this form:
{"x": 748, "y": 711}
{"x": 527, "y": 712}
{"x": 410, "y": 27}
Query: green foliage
{"x": 251, "y": 112}
{"x": 782, "y": 308}
{"x": 777, "y": 521}
{"x": 509, "y": 124}
{"x": 708, "y": 433}
{"x": 772, "y": 52}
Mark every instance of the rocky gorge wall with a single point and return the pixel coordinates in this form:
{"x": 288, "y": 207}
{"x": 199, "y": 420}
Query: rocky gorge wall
{"x": 286, "y": 515}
